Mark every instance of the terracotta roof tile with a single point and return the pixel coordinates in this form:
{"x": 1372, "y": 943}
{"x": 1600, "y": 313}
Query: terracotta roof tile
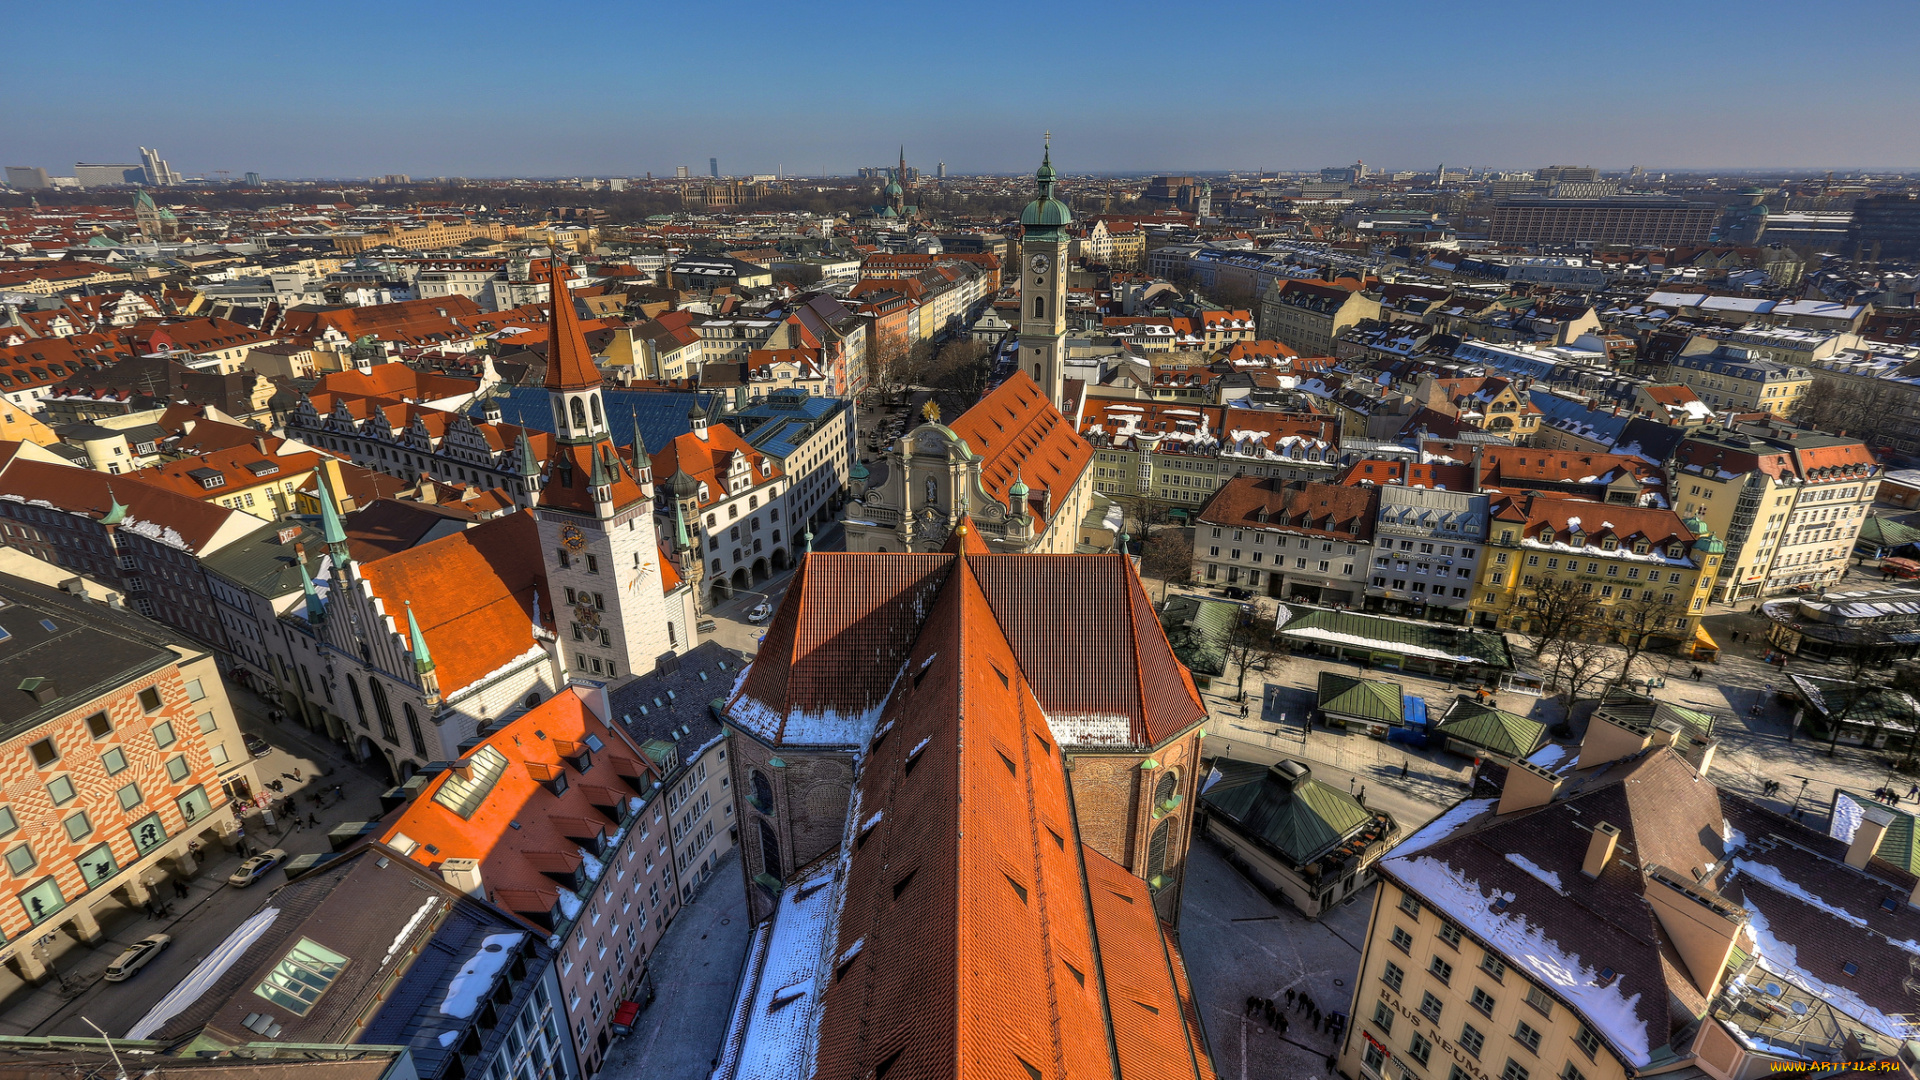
{"x": 476, "y": 590}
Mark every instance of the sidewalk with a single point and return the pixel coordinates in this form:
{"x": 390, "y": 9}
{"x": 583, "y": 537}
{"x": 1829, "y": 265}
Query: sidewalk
{"x": 211, "y": 907}
{"x": 695, "y": 969}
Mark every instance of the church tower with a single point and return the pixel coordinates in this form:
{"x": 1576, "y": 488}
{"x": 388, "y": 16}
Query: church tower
{"x": 1044, "y": 247}
{"x": 596, "y": 520}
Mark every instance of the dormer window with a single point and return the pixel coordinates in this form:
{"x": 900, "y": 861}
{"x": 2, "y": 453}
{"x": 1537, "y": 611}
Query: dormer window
{"x": 1609, "y": 544}
{"x": 1639, "y": 547}
{"x": 1546, "y": 536}
{"x": 1677, "y": 551}
{"x": 1577, "y": 539}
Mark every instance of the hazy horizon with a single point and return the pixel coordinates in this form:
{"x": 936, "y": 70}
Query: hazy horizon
{"x": 490, "y": 91}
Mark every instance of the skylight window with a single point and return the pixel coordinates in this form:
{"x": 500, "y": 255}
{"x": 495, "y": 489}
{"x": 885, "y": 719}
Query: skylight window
{"x": 298, "y": 980}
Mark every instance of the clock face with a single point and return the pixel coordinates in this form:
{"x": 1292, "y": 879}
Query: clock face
{"x": 571, "y": 536}
{"x": 1039, "y": 264}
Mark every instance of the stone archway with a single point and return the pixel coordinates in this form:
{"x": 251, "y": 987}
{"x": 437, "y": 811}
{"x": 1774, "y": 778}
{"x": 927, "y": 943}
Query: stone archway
{"x": 740, "y": 580}
{"x": 722, "y": 592}
{"x": 760, "y": 569}
{"x": 363, "y": 749}
{"x": 779, "y": 560}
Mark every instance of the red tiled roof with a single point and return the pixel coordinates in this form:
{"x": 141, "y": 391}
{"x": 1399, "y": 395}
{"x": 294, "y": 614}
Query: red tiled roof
{"x": 476, "y": 595}
{"x": 1312, "y": 509}
{"x": 525, "y": 836}
{"x": 1019, "y": 435}
{"x": 1082, "y": 627}
{"x": 707, "y": 460}
{"x": 1384, "y": 471}
{"x": 193, "y": 522}
{"x": 983, "y": 933}
{"x": 569, "y": 362}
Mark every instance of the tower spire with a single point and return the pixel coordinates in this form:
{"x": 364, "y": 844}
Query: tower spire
{"x": 331, "y": 531}
{"x": 569, "y": 361}
{"x": 316, "y": 607}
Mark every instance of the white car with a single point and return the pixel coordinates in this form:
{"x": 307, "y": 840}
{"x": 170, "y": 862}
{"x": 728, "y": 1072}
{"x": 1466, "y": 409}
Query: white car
{"x": 256, "y": 868}
{"x": 761, "y": 613}
{"x": 137, "y": 956}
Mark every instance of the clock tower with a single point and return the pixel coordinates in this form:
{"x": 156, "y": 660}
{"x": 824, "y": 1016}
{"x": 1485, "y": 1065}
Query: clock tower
{"x": 595, "y": 512}
{"x": 1044, "y": 246}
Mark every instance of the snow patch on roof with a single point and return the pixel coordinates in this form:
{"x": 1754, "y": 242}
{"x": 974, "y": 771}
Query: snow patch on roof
{"x": 476, "y": 976}
{"x": 1783, "y": 961}
{"x": 1545, "y": 877}
{"x": 1528, "y": 947}
{"x": 204, "y": 974}
{"x": 1444, "y": 826}
{"x": 1776, "y": 880}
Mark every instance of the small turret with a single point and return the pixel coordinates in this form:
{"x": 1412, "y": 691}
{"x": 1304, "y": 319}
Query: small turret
{"x": 331, "y": 530}
{"x": 697, "y": 417}
{"x": 422, "y": 660}
{"x": 642, "y": 461}
{"x": 316, "y": 607}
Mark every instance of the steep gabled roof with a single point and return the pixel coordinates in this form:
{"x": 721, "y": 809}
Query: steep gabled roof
{"x": 475, "y": 590}
{"x": 974, "y": 936}
{"x": 1082, "y": 627}
{"x": 1020, "y": 435}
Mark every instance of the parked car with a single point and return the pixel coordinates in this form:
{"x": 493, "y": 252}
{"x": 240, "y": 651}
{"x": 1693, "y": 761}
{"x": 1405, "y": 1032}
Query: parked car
{"x": 760, "y": 613}
{"x": 256, "y": 868}
{"x": 137, "y": 956}
{"x": 256, "y": 745}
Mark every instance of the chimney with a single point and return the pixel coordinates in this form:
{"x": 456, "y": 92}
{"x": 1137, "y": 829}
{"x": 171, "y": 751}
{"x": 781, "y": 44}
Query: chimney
{"x": 463, "y": 874}
{"x": 1600, "y": 849}
{"x": 1874, "y": 820}
{"x": 1665, "y": 733}
{"x": 1528, "y": 785}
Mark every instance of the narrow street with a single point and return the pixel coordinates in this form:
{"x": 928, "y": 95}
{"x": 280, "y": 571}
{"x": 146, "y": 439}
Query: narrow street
{"x": 63, "y": 1005}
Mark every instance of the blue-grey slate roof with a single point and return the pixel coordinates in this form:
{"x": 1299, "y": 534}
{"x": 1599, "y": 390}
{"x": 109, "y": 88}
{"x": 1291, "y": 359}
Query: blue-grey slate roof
{"x": 662, "y": 413}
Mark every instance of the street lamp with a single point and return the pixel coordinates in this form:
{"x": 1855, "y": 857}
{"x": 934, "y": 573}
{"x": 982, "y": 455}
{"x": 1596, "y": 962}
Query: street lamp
{"x": 1793, "y": 810}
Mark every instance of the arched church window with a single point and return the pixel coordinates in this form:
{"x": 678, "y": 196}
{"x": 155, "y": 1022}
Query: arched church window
{"x": 413, "y": 729}
{"x": 762, "y": 792}
{"x": 1157, "y": 849}
{"x": 769, "y": 851}
{"x": 596, "y": 411}
{"x": 1164, "y": 789}
{"x": 1039, "y": 307}
{"x": 579, "y": 415}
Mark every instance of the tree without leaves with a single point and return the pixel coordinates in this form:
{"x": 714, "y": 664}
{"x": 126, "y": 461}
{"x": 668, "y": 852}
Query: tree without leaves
{"x": 1252, "y": 644}
{"x": 1635, "y": 625}
{"x": 1558, "y": 612}
{"x": 1168, "y": 557}
{"x": 962, "y": 366}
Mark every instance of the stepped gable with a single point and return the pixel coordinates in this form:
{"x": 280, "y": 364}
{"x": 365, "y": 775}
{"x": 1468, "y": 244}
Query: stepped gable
{"x": 474, "y": 595}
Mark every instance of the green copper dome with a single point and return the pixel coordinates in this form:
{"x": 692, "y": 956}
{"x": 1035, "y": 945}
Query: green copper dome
{"x": 1045, "y": 211}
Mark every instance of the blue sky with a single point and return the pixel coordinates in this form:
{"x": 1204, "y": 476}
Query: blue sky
{"x": 489, "y": 89}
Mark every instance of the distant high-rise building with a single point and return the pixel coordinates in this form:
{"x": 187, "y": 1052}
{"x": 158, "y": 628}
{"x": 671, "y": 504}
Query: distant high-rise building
{"x": 616, "y": 184}
{"x": 1554, "y": 174}
{"x": 1886, "y": 226}
{"x": 100, "y": 175}
{"x": 28, "y": 178}
{"x": 253, "y": 179}
{"x": 159, "y": 173}
{"x": 713, "y": 167}
{"x": 940, "y": 171}
{"x": 679, "y": 172}
{"x": 1621, "y": 219}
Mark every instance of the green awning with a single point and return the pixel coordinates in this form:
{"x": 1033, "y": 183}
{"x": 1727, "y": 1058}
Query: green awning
{"x": 1366, "y": 699}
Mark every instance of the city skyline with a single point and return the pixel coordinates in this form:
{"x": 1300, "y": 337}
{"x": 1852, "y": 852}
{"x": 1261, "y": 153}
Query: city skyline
{"x": 1479, "y": 90}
